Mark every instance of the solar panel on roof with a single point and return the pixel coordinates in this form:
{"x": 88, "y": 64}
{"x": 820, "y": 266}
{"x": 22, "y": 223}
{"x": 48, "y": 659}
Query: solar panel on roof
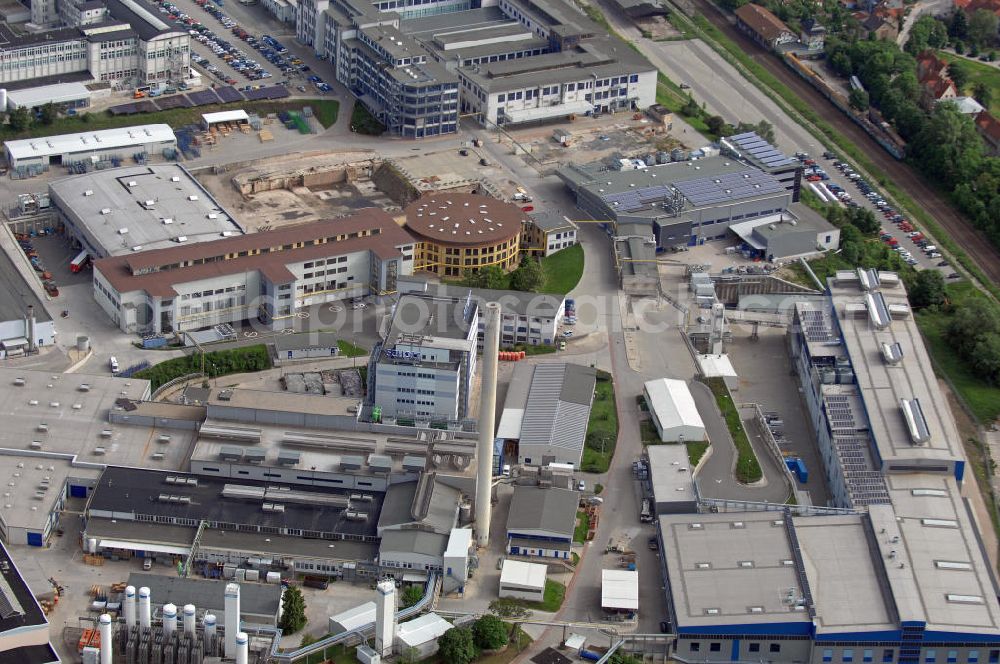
{"x": 9, "y": 606}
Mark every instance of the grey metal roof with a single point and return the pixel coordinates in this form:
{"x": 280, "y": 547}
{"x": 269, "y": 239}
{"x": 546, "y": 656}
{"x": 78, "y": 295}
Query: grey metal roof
{"x": 259, "y": 600}
{"x": 406, "y": 503}
{"x": 542, "y": 305}
{"x": 419, "y": 542}
{"x": 550, "y": 510}
{"x": 308, "y": 340}
{"x": 557, "y": 409}
{"x": 16, "y": 295}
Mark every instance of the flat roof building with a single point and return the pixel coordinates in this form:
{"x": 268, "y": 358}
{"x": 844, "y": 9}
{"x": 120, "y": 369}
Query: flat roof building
{"x": 672, "y": 478}
{"x": 541, "y": 522}
{"x": 24, "y": 629}
{"x": 72, "y": 94}
{"x": 547, "y": 411}
{"x": 25, "y": 324}
{"x": 103, "y": 143}
{"x": 620, "y": 590}
{"x": 521, "y": 580}
{"x": 421, "y": 634}
{"x": 260, "y": 603}
{"x": 673, "y": 410}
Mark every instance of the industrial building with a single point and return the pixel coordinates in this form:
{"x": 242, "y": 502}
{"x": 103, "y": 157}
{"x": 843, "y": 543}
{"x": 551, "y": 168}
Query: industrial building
{"x": 120, "y": 41}
{"x": 73, "y": 94}
{"x": 424, "y": 367}
{"x": 420, "y": 635}
{"x": 24, "y": 630}
{"x": 128, "y": 210}
{"x": 413, "y": 64}
{"x": 719, "y": 366}
{"x": 673, "y": 411}
{"x": 521, "y": 580}
{"x": 457, "y": 232}
{"x": 757, "y": 152}
{"x": 900, "y": 572}
{"x": 102, "y": 144}
{"x": 531, "y": 319}
{"x": 797, "y": 233}
{"x": 546, "y": 412}
{"x": 25, "y": 325}
{"x": 682, "y": 203}
{"x": 260, "y": 603}
{"x": 313, "y": 345}
{"x": 620, "y": 591}
{"x": 545, "y": 234}
{"x": 265, "y": 277}
{"x": 541, "y": 522}
{"x": 672, "y": 480}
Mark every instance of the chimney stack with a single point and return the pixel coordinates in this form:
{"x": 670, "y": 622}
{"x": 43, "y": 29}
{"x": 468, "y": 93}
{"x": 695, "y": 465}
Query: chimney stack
{"x": 487, "y": 421}
{"x": 232, "y": 623}
{"x": 385, "y": 617}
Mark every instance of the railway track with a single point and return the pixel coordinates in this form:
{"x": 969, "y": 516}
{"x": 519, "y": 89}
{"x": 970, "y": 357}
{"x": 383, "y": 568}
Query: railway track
{"x": 972, "y": 241}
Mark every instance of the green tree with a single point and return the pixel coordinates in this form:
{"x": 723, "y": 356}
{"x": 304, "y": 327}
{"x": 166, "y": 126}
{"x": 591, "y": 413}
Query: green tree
{"x": 491, "y": 276}
{"x": 926, "y": 32}
{"x": 19, "y": 119}
{"x": 864, "y": 220}
{"x": 48, "y": 114}
{"x": 293, "y": 611}
{"x": 411, "y": 595}
{"x": 928, "y": 289}
{"x": 456, "y": 646}
{"x": 987, "y": 357}
{"x": 765, "y": 130}
{"x": 970, "y": 323}
{"x": 715, "y": 124}
{"x": 690, "y": 108}
{"x": 528, "y": 276}
{"x": 490, "y": 633}
{"x": 506, "y": 607}
{"x": 959, "y": 75}
{"x": 859, "y": 99}
{"x": 983, "y": 27}
{"x": 982, "y": 93}
{"x": 621, "y": 658}
{"x": 410, "y": 655}
{"x": 948, "y": 147}
{"x": 958, "y": 27}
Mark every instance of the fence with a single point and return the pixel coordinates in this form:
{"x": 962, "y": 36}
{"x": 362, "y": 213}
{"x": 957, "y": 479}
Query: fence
{"x": 170, "y": 384}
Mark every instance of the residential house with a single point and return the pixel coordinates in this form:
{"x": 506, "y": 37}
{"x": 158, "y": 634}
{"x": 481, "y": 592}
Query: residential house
{"x": 880, "y": 27}
{"x": 989, "y": 128}
{"x": 975, "y": 5}
{"x": 967, "y": 105}
{"x": 813, "y": 35}
{"x": 764, "y": 27}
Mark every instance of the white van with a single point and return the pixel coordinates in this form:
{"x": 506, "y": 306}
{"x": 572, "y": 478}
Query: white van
{"x": 113, "y": 363}
{"x": 930, "y": 249}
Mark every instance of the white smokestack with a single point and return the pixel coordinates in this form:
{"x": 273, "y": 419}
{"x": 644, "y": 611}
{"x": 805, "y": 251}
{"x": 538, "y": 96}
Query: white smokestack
{"x": 145, "y": 608}
{"x": 105, "y": 627}
{"x": 209, "y": 628}
{"x": 385, "y": 617}
{"x": 487, "y": 420}
{"x": 169, "y": 619}
{"x": 130, "y": 616}
{"x": 189, "y": 621}
{"x": 242, "y": 648}
{"x": 232, "y": 618}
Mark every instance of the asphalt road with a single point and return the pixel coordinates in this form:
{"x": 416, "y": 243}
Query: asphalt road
{"x": 973, "y": 242}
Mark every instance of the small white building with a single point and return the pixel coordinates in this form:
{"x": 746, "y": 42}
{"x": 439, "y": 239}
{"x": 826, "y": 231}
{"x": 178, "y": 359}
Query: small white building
{"x": 64, "y": 95}
{"x": 103, "y": 144}
{"x": 620, "y": 590}
{"x": 521, "y": 580}
{"x": 673, "y": 410}
{"x": 456, "y": 559}
{"x": 719, "y": 366}
{"x": 421, "y": 633}
{"x": 208, "y": 120}
{"x": 351, "y": 619}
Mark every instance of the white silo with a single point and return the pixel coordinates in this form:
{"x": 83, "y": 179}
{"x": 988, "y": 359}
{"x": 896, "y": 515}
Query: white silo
{"x": 242, "y": 648}
{"x": 487, "y": 419}
{"x": 189, "y": 619}
{"x": 130, "y": 615}
{"x": 209, "y": 623}
{"x": 169, "y": 619}
{"x": 145, "y": 608}
{"x": 232, "y": 623}
{"x": 385, "y": 617}
{"x": 105, "y": 629}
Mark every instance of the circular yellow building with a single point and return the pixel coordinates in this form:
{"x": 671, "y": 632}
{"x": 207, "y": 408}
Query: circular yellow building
{"x": 459, "y": 232}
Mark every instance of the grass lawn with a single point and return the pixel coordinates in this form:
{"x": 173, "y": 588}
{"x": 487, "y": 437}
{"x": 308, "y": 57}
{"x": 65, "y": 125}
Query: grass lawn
{"x": 747, "y": 467}
{"x": 325, "y": 111}
{"x": 347, "y": 349}
{"x": 602, "y": 430}
{"x": 363, "y": 122}
{"x": 563, "y": 270}
{"x": 982, "y": 399}
{"x": 978, "y": 71}
{"x": 648, "y": 433}
{"x": 582, "y": 526}
{"x": 554, "y": 594}
{"x": 696, "y": 451}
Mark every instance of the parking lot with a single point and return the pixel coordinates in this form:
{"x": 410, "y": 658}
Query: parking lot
{"x": 242, "y": 45}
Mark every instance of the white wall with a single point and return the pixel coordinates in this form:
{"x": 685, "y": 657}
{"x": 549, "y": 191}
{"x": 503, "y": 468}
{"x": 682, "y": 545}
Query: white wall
{"x": 520, "y": 593}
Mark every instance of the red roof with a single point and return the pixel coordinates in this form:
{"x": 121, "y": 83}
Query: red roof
{"x": 988, "y": 126}
{"x": 938, "y": 87}
{"x": 989, "y": 5}
{"x": 761, "y": 21}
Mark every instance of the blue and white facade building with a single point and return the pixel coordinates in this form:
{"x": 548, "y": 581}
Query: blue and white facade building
{"x": 900, "y": 574}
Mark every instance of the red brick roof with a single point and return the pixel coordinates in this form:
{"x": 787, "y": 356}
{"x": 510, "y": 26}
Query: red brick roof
{"x": 761, "y": 21}
{"x": 988, "y": 126}
{"x": 989, "y": 5}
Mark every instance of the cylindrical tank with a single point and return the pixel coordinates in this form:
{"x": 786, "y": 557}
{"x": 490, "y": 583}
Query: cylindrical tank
{"x": 83, "y": 343}
{"x": 3, "y": 100}
{"x": 521, "y": 355}
{"x": 106, "y": 641}
{"x": 209, "y": 627}
{"x": 465, "y": 512}
{"x": 130, "y": 615}
{"x": 145, "y": 608}
{"x": 169, "y": 619}
{"x": 91, "y": 545}
{"x": 189, "y": 619}
{"x": 242, "y": 648}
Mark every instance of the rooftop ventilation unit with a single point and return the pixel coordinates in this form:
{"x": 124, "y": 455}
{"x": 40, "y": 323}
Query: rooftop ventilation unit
{"x": 878, "y": 312}
{"x": 893, "y": 353}
{"x": 868, "y": 278}
{"x": 88, "y": 192}
{"x": 180, "y": 238}
{"x": 174, "y": 178}
{"x": 193, "y": 197}
{"x": 168, "y": 220}
{"x": 19, "y": 382}
{"x": 915, "y": 421}
{"x": 105, "y": 211}
{"x": 122, "y": 231}
{"x": 148, "y": 204}
{"x": 132, "y": 183}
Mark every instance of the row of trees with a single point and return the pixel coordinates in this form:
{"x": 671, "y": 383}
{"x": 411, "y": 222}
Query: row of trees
{"x": 943, "y": 143}
{"x": 22, "y": 118}
{"x": 528, "y": 277}
{"x": 974, "y": 333}
{"x": 964, "y": 32}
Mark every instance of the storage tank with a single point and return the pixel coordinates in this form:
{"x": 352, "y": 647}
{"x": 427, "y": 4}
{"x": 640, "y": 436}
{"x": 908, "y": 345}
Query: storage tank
{"x": 83, "y": 343}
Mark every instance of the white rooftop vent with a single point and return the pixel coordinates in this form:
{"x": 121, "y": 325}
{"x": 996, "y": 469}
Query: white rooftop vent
{"x": 122, "y": 231}
{"x": 137, "y": 247}
{"x": 180, "y": 238}
{"x": 893, "y": 353}
{"x": 174, "y": 178}
{"x": 878, "y": 312}
{"x": 939, "y": 493}
{"x": 703, "y": 565}
{"x": 939, "y": 523}
{"x": 212, "y": 215}
{"x": 745, "y": 563}
{"x": 711, "y": 612}
{"x": 193, "y": 197}
{"x": 88, "y": 192}
{"x": 964, "y": 599}
{"x": 168, "y": 220}
{"x": 132, "y": 183}
{"x": 950, "y": 564}
{"x": 915, "y": 421}
{"x": 756, "y": 609}
{"x": 105, "y": 210}
{"x": 149, "y": 204}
